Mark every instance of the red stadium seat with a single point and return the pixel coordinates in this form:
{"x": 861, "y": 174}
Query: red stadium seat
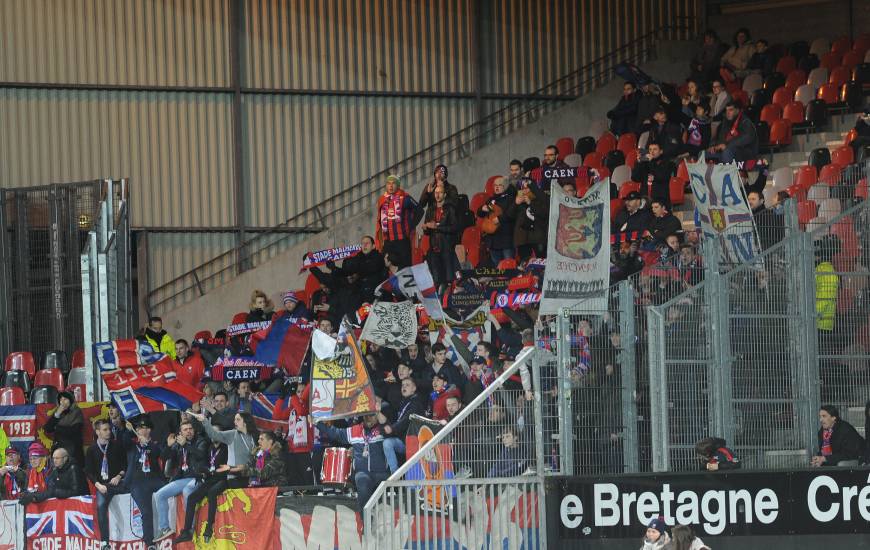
{"x": 471, "y": 242}
{"x": 830, "y": 174}
{"x": 805, "y": 177}
{"x": 20, "y": 360}
{"x": 489, "y": 188}
{"x": 677, "y": 191}
{"x": 628, "y": 187}
{"x": 242, "y": 316}
{"x": 49, "y": 377}
{"x": 845, "y": 230}
{"x": 312, "y": 285}
{"x": 605, "y": 144}
{"x": 12, "y": 396}
{"x": 627, "y": 143}
{"x": 795, "y": 79}
{"x": 841, "y": 45}
{"x": 565, "y": 147}
{"x": 852, "y": 59}
{"x": 507, "y": 263}
{"x": 201, "y": 335}
{"x": 829, "y": 93}
{"x": 843, "y": 155}
{"x": 796, "y": 191}
{"x": 831, "y": 60}
{"x": 780, "y": 132}
{"x": 806, "y": 211}
{"x": 861, "y": 190}
{"x": 615, "y": 207}
{"x": 850, "y": 137}
{"x": 733, "y": 86}
{"x": 782, "y": 96}
{"x": 839, "y": 76}
{"x": 794, "y": 112}
{"x": 786, "y": 64}
{"x": 77, "y": 383}
{"x": 421, "y": 249}
{"x": 78, "y": 358}
{"x": 741, "y": 98}
{"x": 477, "y": 200}
{"x": 771, "y": 113}
{"x": 592, "y": 160}
{"x": 683, "y": 172}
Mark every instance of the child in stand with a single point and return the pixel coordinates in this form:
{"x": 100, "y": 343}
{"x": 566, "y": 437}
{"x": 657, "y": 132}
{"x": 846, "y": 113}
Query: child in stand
{"x": 656, "y": 536}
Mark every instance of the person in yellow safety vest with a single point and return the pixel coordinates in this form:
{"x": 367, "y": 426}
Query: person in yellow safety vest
{"x": 4, "y": 444}
{"x": 827, "y": 284}
{"x": 159, "y": 339}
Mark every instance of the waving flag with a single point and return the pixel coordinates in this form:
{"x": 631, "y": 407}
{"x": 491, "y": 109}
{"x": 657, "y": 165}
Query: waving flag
{"x": 140, "y": 380}
{"x": 340, "y": 386}
{"x": 400, "y": 285}
{"x": 263, "y": 411}
{"x": 426, "y": 292}
{"x": 284, "y": 344}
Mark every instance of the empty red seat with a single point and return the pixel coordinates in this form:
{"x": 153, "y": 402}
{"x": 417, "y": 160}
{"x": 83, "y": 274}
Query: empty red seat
{"x": 806, "y": 211}
{"x": 741, "y": 98}
{"x": 615, "y": 207}
{"x": 794, "y": 112}
{"x": 627, "y": 143}
{"x": 489, "y": 187}
{"x": 843, "y": 155}
{"x": 861, "y": 190}
{"x": 20, "y": 360}
{"x": 852, "y": 59}
{"x": 841, "y": 45}
{"x": 839, "y": 76}
{"x": 786, "y": 64}
{"x": 471, "y": 242}
{"x": 605, "y": 144}
{"x": 683, "y": 172}
{"x": 12, "y": 396}
{"x": 831, "y": 60}
{"x": 830, "y": 174}
{"x": 312, "y": 285}
{"x": 677, "y": 191}
{"x": 78, "y": 357}
{"x": 845, "y": 230}
{"x": 796, "y": 191}
{"x": 780, "y": 132}
{"x": 49, "y": 377}
{"x": 242, "y": 316}
{"x": 201, "y": 335}
{"x": 592, "y": 160}
{"x": 770, "y": 113}
{"x": 628, "y": 187}
{"x": 829, "y": 93}
{"x": 805, "y": 177}
{"x": 565, "y": 147}
{"x": 782, "y": 96}
{"x": 795, "y": 79}
{"x": 477, "y": 200}
{"x": 419, "y": 252}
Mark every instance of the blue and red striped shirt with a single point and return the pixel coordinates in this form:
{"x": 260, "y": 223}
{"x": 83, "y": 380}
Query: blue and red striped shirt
{"x": 396, "y": 216}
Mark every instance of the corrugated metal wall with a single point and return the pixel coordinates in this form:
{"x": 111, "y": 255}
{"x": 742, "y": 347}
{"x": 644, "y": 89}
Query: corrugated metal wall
{"x": 176, "y": 145}
{"x": 146, "y": 42}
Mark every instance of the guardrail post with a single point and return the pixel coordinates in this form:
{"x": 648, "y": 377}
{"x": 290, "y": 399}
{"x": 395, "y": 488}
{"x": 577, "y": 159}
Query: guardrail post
{"x": 658, "y": 391}
{"x": 537, "y": 364}
{"x": 566, "y": 424}
{"x": 628, "y": 364}
{"x": 808, "y": 377}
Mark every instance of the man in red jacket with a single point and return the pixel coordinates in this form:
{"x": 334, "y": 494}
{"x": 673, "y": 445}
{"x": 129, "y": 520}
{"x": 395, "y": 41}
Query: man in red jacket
{"x": 441, "y": 391}
{"x": 190, "y": 368}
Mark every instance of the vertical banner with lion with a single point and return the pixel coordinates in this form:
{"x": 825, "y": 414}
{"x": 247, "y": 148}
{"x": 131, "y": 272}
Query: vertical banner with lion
{"x": 340, "y": 385}
{"x": 578, "y": 251}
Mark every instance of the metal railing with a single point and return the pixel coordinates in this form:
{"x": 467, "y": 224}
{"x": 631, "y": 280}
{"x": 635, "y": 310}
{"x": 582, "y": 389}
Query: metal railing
{"x": 360, "y": 196}
{"x": 496, "y": 441}
{"x": 751, "y": 353}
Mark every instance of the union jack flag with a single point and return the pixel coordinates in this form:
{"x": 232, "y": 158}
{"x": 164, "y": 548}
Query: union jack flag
{"x": 263, "y": 411}
{"x": 61, "y": 517}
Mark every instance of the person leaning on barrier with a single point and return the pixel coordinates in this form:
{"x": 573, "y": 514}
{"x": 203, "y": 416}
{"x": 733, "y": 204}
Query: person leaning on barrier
{"x": 714, "y": 455}
{"x": 64, "y": 481}
{"x": 840, "y": 444}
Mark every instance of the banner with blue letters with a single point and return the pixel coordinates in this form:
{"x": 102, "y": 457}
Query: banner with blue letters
{"x": 723, "y": 210}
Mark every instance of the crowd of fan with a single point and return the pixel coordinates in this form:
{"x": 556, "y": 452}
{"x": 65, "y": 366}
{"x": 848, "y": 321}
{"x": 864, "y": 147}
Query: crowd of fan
{"x": 217, "y": 446}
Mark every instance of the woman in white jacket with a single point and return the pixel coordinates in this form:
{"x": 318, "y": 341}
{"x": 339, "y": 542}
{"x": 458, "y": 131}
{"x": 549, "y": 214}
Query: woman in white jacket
{"x": 656, "y": 536}
{"x": 736, "y": 60}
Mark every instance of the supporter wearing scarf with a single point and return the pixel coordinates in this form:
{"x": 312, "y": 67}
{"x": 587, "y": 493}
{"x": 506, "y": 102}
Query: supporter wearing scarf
{"x": 38, "y": 468}
{"x": 265, "y": 466}
{"x": 14, "y": 475}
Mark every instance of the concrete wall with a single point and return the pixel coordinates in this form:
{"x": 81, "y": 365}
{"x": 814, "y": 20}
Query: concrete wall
{"x": 582, "y": 117}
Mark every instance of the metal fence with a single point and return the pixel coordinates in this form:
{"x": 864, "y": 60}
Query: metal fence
{"x": 106, "y": 302}
{"x": 42, "y": 232}
{"x": 491, "y": 495}
{"x": 752, "y": 352}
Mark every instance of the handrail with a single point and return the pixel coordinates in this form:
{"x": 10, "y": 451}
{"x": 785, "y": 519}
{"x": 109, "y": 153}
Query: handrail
{"x": 456, "y": 142}
{"x": 464, "y": 413}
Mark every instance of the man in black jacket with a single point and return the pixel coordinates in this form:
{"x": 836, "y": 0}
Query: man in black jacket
{"x": 368, "y": 266}
{"x": 442, "y": 226}
{"x": 394, "y": 444}
{"x": 65, "y": 479}
{"x": 839, "y": 442}
{"x": 667, "y": 134}
{"x": 143, "y": 475}
{"x": 186, "y": 454}
{"x": 769, "y": 225}
{"x": 105, "y": 462}
{"x": 498, "y": 209}
{"x": 663, "y": 223}
{"x": 633, "y": 217}
{"x": 736, "y": 139}
{"x": 624, "y": 116}
{"x": 654, "y": 173}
